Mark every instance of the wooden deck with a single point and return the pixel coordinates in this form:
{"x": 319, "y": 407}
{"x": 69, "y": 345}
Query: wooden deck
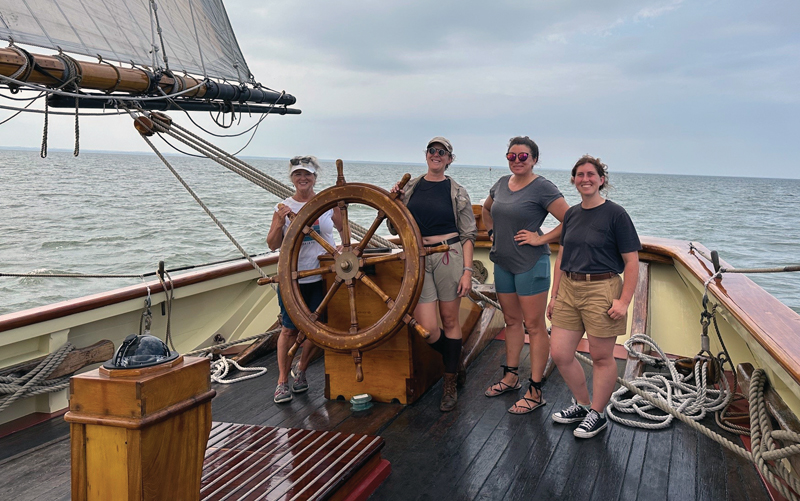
{"x": 479, "y": 451}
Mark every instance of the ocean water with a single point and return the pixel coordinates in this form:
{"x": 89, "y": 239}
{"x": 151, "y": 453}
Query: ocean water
{"x": 122, "y": 214}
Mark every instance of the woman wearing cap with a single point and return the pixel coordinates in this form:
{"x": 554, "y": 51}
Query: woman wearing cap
{"x": 303, "y": 174}
{"x": 598, "y": 242}
{"x": 513, "y": 213}
{"x": 443, "y": 212}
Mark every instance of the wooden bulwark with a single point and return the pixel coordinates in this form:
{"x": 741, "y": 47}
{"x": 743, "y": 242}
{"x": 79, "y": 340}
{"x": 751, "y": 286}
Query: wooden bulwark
{"x": 94, "y": 301}
{"x": 245, "y": 462}
{"x": 641, "y": 303}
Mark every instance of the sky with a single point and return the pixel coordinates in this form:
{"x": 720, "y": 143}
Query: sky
{"x": 705, "y": 87}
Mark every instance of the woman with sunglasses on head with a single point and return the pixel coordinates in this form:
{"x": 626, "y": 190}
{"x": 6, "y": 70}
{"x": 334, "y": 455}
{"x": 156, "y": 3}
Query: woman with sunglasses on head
{"x": 598, "y": 242}
{"x": 443, "y": 212}
{"x": 303, "y": 174}
{"x": 513, "y": 213}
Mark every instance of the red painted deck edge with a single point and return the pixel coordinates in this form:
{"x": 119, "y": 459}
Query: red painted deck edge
{"x": 371, "y": 482}
{"x": 24, "y": 422}
{"x": 773, "y": 493}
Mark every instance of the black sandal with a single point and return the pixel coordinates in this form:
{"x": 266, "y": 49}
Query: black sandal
{"x": 529, "y": 404}
{"x": 503, "y": 387}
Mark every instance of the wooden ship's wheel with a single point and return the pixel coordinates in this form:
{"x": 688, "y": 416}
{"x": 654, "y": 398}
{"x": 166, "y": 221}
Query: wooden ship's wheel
{"x": 350, "y": 265}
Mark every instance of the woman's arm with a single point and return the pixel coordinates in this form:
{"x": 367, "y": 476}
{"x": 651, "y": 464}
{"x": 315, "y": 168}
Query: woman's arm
{"x": 486, "y": 216}
{"x": 275, "y": 235}
{"x": 557, "y": 273}
{"x": 557, "y": 208}
{"x": 620, "y": 306}
{"x": 465, "y": 284}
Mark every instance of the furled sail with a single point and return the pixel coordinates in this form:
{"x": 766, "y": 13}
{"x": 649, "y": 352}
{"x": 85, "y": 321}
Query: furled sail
{"x": 195, "y": 36}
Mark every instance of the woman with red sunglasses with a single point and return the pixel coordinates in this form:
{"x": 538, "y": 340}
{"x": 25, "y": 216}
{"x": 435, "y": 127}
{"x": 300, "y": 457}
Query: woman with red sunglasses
{"x": 513, "y": 214}
{"x": 443, "y": 212}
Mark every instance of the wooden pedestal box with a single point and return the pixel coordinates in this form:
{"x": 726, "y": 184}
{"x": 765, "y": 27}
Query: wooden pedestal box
{"x": 401, "y": 369}
{"x": 140, "y": 434}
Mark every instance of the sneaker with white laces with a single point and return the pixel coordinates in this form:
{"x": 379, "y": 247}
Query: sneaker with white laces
{"x": 593, "y": 424}
{"x": 573, "y": 414}
{"x": 300, "y": 383}
{"x": 282, "y": 393}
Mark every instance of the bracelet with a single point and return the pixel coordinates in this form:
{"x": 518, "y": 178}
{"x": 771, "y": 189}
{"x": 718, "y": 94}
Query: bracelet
{"x": 490, "y": 233}
{"x": 467, "y": 268}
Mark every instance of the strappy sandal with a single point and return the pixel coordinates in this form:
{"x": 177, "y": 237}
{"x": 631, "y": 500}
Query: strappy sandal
{"x": 526, "y": 404}
{"x": 501, "y": 387}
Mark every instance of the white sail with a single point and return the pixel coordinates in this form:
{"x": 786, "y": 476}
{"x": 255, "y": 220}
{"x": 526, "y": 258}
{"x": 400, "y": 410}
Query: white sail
{"x": 197, "y": 35}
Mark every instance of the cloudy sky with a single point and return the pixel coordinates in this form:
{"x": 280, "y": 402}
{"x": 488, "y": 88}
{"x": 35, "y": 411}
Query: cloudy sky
{"x": 681, "y": 87}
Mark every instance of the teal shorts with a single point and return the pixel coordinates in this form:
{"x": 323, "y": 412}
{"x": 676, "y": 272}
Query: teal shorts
{"x": 532, "y": 282}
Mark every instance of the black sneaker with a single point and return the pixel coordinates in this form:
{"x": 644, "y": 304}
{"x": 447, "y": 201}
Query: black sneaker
{"x": 593, "y": 424}
{"x": 572, "y": 414}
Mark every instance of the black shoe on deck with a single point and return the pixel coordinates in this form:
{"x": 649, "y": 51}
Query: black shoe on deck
{"x": 572, "y": 414}
{"x": 593, "y": 424}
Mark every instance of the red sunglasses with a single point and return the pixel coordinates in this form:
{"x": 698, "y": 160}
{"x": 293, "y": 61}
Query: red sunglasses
{"x": 513, "y": 156}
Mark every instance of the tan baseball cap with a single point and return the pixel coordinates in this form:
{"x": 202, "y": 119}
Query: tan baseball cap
{"x": 442, "y": 141}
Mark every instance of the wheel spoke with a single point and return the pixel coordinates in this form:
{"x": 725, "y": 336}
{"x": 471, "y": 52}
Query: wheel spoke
{"x": 412, "y": 322}
{"x": 316, "y": 271}
{"x": 345, "y": 225}
{"x": 337, "y": 282}
{"x": 376, "y": 289}
{"x": 308, "y": 230}
{"x": 395, "y": 256}
{"x": 351, "y": 290}
{"x": 368, "y": 235}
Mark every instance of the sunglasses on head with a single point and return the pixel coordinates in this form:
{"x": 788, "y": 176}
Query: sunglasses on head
{"x": 513, "y": 156}
{"x": 298, "y": 161}
{"x": 440, "y": 151}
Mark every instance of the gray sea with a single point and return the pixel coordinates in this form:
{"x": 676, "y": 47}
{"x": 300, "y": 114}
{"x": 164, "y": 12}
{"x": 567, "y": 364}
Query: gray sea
{"x": 122, "y": 214}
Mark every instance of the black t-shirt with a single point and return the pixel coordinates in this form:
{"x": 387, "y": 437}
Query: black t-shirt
{"x": 432, "y": 208}
{"x": 593, "y": 240}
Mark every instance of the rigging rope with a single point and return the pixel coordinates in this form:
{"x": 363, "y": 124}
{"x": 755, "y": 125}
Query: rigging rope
{"x": 245, "y": 170}
{"x": 202, "y": 205}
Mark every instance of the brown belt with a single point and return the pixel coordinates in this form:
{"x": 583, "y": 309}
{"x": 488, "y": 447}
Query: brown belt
{"x": 591, "y": 277}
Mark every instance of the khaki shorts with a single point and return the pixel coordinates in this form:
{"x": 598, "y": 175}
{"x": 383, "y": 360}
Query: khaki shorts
{"x": 443, "y": 271}
{"x": 583, "y": 307}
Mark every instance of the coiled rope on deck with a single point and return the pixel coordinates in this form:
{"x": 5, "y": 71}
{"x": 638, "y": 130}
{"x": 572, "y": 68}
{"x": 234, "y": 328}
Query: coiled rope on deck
{"x": 35, "y": 381}
{"x": 695, "y": 401}
{"x": 767, "y": 454}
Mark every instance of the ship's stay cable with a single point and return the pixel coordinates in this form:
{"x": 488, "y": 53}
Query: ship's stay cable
{"x": 245, "y": 170}
{"x": 203, "y": 205}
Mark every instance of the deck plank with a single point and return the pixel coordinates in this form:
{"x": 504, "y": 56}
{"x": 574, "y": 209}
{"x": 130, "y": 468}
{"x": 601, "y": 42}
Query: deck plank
{"x": 478, "y": 451}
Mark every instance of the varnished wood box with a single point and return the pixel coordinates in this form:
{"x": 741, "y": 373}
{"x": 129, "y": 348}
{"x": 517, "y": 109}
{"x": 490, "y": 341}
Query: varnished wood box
{"x": 141, "y": 433}
{"x": 401, "y": 369}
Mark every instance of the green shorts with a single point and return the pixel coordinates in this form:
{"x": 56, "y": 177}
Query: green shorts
{"x": 583, "y": 307}
{"x": 443, "y": 271}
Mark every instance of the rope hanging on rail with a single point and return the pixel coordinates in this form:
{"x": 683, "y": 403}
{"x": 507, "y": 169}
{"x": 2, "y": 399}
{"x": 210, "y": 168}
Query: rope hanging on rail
{"x": 35, "y": 381}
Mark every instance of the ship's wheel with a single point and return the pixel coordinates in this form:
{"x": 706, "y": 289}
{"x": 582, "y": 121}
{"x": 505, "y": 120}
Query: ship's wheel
{"x": 349, "y": 263}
